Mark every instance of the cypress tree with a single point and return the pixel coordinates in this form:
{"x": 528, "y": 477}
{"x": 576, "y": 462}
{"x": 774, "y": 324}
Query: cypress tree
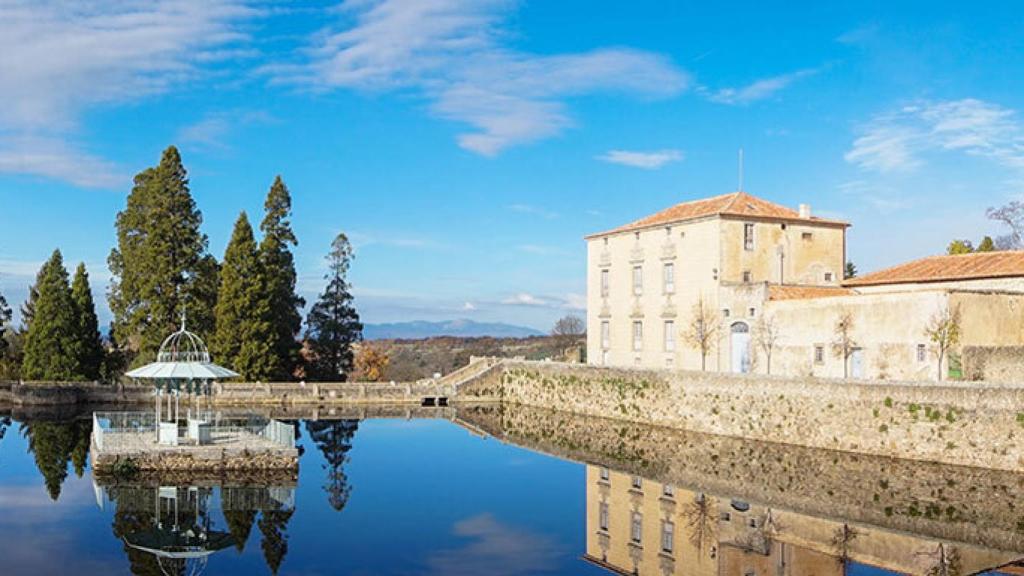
{"x": 279, "y": 279}
{"x": 160, "y": 266}
{"x": 242, "y": 339}
{"x": 90, "y": 347}
{"x": 5, "y": 318}
{"x": 51, "y": 344}
{"x": 333, "y": 325}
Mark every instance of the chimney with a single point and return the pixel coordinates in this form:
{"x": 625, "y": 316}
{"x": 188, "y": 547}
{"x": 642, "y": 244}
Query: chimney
{"x": 805, "y": 211}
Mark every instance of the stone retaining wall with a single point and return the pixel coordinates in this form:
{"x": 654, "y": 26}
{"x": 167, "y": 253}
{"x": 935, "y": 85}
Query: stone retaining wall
{"x": 225, "y": 394}
{"x": 956, "y": 423}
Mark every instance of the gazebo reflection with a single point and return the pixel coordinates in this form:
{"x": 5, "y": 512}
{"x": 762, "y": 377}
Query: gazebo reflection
{"x": 176, "y": 529}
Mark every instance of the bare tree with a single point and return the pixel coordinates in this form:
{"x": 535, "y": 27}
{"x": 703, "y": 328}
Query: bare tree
{"x": 943, "y": 561}
{"x": 944, "y": 331}
{"x": 1011, "y": 216}
{"x": 766, "y": 338}
{"x": 568, "y": 330}
{"x": 842, "y": 539}
{"x": 843, "y": 345}
{"x": 702, "y": 521}
{"x": 703, "y": 330}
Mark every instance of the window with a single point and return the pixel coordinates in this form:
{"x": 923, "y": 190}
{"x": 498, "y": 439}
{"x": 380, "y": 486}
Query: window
{"x": 819, "y": 354}
{"x": 750, "y": 312}
{"x": 638, "y": 335}
{"x": 605, "y": 335}
{"x": 605, "y": 475}
{"x": 725, "y": 312}
{"x": 638, "y": 280}
{"x": 602, "y": 520}
{"x": 669, "y": 277}
{"x": 604, "y": 283}
{"x": 668, "y": 491}
{"x": 636, "y": 482}
{"x": 921, "y": 352}
{"x": 670, "y": 336}
{"x": 636, "y": 528}
{"x": 668, "y": 231}
{"x": 668, "y": 533}
{"x": 828, "y": 276}
{"x": 748, "y": 236}
{"x": 806, "y": 235}
{"x": 747, "y": 277}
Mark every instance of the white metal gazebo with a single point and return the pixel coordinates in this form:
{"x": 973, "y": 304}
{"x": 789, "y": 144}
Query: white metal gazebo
{"x": 182, "y": 364}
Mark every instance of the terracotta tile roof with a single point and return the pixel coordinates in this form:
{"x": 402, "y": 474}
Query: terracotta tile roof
{"x": 943, "y": 268}
{"x": 776, "y": 292}
{"x": 738, "y": 204}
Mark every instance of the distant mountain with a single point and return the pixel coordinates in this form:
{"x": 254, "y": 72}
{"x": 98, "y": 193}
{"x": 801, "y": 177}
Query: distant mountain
{"x": 461, "y": 328}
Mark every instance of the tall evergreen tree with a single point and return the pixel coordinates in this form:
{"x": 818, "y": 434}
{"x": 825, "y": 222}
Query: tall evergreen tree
{"x": 279, "y": 278}
{"x": 333, "y": 324}
{"x": 90, "y": 347}
{"x": 5, "y": 318}
{"x": 160, "y": 266}
{"x": 51, "y": 343}
{"x": 243, "y": 336}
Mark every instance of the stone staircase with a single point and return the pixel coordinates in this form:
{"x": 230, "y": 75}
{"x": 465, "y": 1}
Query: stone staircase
{"x": 450, "y": 383}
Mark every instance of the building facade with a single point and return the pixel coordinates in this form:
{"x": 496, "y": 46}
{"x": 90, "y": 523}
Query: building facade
{"x": 737, "y": 283}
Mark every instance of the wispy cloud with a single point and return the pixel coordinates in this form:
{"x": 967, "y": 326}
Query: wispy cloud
{"x": 533, "y": 210}
{"x": 58, "y": 59}
{"x": 759, "y": 89}
{"x": 898, "y": 141}
{"x": 543, "y": 250}
{"x": 498, "y": 549}
{"x": 571, "y": 301}
{"x": 646, "y": 160}
{"x": 214, "y": 130}
{"x": 451, "y": 53}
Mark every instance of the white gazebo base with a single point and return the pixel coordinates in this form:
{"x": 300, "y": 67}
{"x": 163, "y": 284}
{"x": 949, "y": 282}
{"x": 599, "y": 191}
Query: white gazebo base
{"x": 168, "y": 434}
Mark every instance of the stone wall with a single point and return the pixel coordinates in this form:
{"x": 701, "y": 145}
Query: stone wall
{"x": 993, "y": 363}
{"x": 225, "y": 394}
{"x": 956, "y": 423}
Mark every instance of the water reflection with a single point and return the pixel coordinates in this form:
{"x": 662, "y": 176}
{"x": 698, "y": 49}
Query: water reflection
{"x": 644, "y": 527}
{"x": 168, "y": 529}
{"x": 645, "y": 501}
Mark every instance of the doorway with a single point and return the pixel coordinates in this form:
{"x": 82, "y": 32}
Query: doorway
{"x": 740, "y": 347}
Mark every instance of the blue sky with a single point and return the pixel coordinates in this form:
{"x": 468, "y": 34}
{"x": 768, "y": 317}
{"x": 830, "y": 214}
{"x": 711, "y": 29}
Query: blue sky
{"x": 467, "y": 146}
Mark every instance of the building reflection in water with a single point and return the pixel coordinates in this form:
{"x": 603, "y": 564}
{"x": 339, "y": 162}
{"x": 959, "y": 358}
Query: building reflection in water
{"x": 174, "y": 530}
{"x": 646, "y": 528}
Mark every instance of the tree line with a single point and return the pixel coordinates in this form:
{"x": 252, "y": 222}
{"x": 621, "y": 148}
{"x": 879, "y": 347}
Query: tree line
{"x": 245, "y": 306}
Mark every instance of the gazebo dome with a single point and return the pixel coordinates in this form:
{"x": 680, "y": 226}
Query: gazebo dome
{"x": 183, "y": 346}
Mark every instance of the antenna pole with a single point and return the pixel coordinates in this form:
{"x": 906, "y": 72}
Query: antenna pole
{"x": 741, "y": 171}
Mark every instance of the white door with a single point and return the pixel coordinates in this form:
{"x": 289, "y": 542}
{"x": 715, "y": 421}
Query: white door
{"x": 857, "y": 363}
{"x": 740, "y": 346}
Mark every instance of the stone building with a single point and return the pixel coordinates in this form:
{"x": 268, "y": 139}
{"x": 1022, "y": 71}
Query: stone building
{"x": 737, "y": 283}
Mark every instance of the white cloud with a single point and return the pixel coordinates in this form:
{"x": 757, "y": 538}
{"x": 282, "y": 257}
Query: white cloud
{"x": 646, "y": 160}
{"x": 525, "y": 299}
{"x": 898, "y": 140}
{"x": 575, "y": 301}
{"x": 533, "y": 210}
{"x": 759, "y": 89}
{"x": 58, "y": 59}
{"x": 451, "y": 53}
{"x": 542, "y": 250}
{"x": 469, "y": 306}
{"x": 213, "y": 130}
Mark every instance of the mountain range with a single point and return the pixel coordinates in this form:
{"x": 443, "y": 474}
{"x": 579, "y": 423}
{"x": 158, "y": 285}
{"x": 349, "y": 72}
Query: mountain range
{"x": 461, "y": 328}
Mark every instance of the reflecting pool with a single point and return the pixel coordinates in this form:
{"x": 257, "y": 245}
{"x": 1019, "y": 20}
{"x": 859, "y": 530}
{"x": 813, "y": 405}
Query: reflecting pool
{"x": 500, "y": 491}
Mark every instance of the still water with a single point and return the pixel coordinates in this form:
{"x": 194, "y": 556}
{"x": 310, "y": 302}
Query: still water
{"x": 491, "y": 492}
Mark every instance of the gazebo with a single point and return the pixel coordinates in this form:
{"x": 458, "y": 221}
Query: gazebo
{"x": 183, "y": 363}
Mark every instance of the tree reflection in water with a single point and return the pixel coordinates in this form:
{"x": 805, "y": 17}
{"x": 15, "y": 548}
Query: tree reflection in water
{"x": 334, "y": 439}
{"x": 55, "y": 445}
